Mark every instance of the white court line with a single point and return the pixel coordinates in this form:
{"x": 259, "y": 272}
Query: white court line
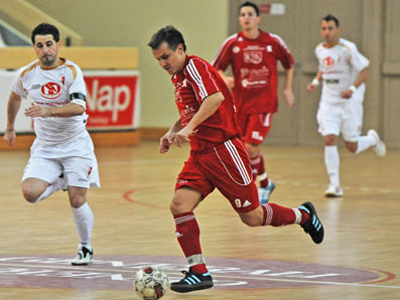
{"x": 216, "y": 275}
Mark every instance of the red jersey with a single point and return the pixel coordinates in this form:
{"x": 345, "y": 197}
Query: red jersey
{"x": 196, "y": 82}
{"x": 255, "y": 68}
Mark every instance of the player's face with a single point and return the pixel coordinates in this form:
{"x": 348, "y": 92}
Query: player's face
{"x": 248, "y": 18}
{"x": 170, "y": 60}
{"x": 46, "y": 49}
{"x": 329, "y": 31}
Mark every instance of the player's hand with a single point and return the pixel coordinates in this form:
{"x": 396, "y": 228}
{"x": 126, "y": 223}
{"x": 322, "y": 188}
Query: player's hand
{"x": 9, "y": 137}
{"x": 230, "y": 82}
{"x": 183, "y": 135}
{"x": 166, "y": 142}
{"x": 37, "y": 111}
{"x": 311, "y": 87}
{"x": 289, "y": 97}
{"x": 346, "y": 94}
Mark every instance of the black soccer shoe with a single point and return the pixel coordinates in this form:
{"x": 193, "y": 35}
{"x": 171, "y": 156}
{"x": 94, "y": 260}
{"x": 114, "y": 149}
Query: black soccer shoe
{"x": 313, "y": 226}
{"x": 193, "y": 282}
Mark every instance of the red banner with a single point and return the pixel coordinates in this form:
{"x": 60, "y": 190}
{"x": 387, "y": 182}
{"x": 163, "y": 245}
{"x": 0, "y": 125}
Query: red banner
{"x": 112, "y": 99}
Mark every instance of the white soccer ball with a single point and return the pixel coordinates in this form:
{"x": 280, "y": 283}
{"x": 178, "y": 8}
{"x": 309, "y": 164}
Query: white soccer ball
{"x": 151, "y": 283}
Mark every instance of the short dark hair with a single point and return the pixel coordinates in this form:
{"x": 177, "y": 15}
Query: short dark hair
{"x": 167, "y": 34}
{"x": 329, "y": 18}
{"x": 43, "y": 29}
{"x": 251, "y": 4}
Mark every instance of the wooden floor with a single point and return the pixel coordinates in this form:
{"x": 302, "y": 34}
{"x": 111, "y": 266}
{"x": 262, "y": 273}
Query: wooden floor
{"x": 132, "y": 219}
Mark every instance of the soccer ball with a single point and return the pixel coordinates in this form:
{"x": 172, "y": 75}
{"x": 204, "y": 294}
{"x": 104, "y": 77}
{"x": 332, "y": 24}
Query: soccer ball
{"x": 151, "y": 283}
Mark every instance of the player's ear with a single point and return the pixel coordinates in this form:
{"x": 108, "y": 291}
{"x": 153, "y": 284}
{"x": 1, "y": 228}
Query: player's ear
{"x": 181, "y": 48}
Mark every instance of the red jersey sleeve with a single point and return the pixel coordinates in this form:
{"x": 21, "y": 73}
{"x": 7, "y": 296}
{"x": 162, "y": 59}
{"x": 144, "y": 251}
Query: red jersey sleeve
{"x": 224, "y": 56}
{"x": 201, "y": 78}
{"x": 284, "y": 55}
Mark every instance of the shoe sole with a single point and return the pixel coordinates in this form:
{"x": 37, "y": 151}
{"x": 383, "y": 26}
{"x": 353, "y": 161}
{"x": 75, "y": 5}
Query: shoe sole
{"x": 81, "y": 264}
{"x": 187, "y": 289}
{"x": 333, "y": 195}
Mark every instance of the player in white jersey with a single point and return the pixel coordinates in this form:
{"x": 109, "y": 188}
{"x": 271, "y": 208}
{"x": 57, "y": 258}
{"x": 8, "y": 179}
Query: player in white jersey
{"x": 343, "y": 71}
{"x": 62, "y": 155}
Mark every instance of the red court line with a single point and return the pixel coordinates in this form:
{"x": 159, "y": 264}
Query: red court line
{"x": 390, "y": 276}
{"x": 127, "y": 197}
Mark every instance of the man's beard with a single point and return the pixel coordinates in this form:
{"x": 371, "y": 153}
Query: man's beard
{"x": 48, "y": 61}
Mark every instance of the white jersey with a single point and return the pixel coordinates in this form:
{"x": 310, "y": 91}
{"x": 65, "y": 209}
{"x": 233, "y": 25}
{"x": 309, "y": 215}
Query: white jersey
{"x": 340, "y": 66}
{"x": 53, "y": 87}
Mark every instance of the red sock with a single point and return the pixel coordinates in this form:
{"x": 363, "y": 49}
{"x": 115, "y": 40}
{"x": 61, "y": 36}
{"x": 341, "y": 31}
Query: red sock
{"x": 258, "y": 166}
{"x": 188, "y": 235}
{"x": 276, "y": 215}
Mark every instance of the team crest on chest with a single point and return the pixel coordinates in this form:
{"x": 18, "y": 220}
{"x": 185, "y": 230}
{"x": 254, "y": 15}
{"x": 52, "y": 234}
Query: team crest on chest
{"x": 51, "y": 90}
{"x": 328, "y": 61}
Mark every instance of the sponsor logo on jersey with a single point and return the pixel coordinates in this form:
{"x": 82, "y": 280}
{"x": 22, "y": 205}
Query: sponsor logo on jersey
{"x": 181, "y": 181}
{"x": 35, "y": 86}
{"x": 256, "y": 136}
{"x": 51, "y": 90}
{"x": 253, "y": 56}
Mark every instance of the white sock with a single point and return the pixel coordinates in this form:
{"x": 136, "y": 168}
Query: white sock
{"x": 51, "y": 189}
{"x": 365, "y": 142}
{"x": 332, "y": 164}
{"x": 84, "y": 221}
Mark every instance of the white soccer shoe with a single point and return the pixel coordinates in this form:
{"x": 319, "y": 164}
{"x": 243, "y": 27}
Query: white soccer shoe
{"x": 333, "y": 191}
{"x": 84, "y": 257}
{"x": 265, "y": 193}
{"x": 380, "y": 147}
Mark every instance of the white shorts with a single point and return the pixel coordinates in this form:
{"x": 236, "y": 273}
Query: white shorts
{"x": 341, "y": 118}
{"x": 74, "y": 159}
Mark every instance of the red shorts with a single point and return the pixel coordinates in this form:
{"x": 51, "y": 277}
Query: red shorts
{"x": 227, "y": 168}
{"x": 255, "y": 127}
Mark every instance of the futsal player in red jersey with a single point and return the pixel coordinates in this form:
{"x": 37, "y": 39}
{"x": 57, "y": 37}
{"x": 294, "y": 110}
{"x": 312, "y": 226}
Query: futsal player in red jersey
{"x": 253, "y": 55}
{"x": 218, "y": 159}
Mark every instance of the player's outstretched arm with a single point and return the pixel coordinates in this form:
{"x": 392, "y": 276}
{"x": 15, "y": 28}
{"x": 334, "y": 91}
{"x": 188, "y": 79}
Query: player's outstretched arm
{"x": 361, "y": 78}
{"x": 315, "y": 83}
{"x": 288, "y": 95}
{"x": 68, "y": 110}
{"x": 167, "y": 140}
{"x": 207, "y": 109}
{"x": 14, "y": 103}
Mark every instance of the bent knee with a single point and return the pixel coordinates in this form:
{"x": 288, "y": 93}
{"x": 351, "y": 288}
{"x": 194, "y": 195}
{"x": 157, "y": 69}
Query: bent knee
{"x": 30, "y": 192}
{"x": 253, "y": 150}
{"x": 176, "y": 208}
{"x": 352, "y": 147}
{"x": 76, "y": 203}
{"x": 331, "y": 140}
{"x": 30, "y": 196}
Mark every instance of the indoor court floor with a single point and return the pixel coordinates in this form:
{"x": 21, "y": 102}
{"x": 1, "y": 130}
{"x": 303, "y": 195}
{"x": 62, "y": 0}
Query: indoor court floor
{"x": 359, "y": 258}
